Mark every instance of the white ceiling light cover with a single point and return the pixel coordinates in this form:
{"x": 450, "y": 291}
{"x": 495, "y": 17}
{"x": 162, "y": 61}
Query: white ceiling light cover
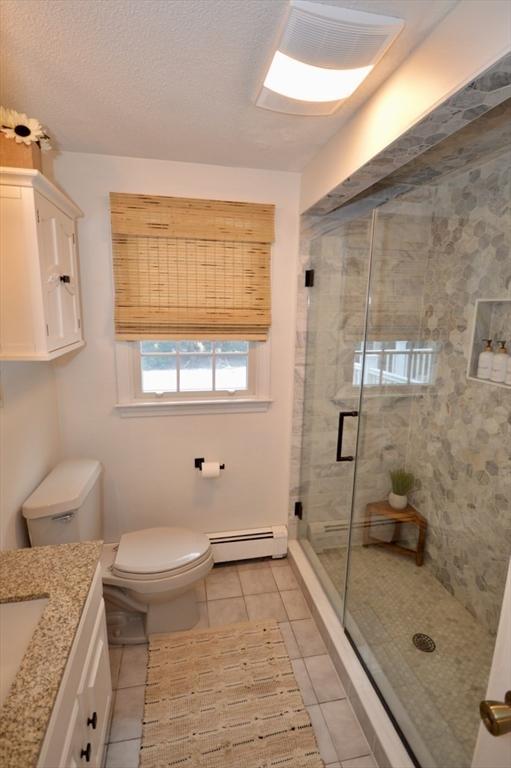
{"x": 293, "y": 78}
{"x": 324, "y": 53}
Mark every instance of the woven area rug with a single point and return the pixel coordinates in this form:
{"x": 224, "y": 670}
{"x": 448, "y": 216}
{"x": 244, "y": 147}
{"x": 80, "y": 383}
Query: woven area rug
{"x": 225, "y": 698}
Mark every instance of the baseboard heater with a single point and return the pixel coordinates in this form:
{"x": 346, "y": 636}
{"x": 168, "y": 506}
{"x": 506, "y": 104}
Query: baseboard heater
{"x": 328, "y": 534}
{"x": 247, "y": 544}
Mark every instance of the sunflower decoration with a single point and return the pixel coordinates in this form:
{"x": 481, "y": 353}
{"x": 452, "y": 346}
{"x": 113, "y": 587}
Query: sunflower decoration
{"x": 23, "y": 129}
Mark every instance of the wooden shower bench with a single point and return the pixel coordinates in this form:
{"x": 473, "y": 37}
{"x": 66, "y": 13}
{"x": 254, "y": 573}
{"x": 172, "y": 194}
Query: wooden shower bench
{"x": 398, "y": 516}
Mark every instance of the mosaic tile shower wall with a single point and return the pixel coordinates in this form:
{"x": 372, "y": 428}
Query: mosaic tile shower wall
{"x": 460, "y": 430}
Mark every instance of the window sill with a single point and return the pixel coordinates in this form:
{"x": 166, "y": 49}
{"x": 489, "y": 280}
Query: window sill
{"x": 192, "y": 407}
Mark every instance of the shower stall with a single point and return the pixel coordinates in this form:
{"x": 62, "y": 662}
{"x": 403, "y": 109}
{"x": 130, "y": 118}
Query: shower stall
{"x": 404, "y": 291}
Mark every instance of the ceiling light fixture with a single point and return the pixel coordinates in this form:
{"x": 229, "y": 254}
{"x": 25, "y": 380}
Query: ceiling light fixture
{"x": 298, "y": 80}
{"x": 323, "y": 55}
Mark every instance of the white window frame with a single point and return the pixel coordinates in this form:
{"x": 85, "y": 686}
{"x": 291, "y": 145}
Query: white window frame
{"x": 132, "y": 401}
{"x": 198, "y": 394}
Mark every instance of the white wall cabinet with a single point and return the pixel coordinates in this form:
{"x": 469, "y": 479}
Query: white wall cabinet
{"x": 78, "y": 727}
{"x": 39, "y": 281}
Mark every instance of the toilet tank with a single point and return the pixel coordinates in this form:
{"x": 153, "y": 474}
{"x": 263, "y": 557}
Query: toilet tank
{"x": 66, "y": 506}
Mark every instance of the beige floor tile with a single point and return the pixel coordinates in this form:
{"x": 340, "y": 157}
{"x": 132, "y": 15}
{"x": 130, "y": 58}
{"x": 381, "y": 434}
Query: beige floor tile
{"x": 295, "y": 605}
{"x": 333, "y": 765}
{"x": 200, "y": 591}
{"x": 285, "y": 577}
{"x": 252, "y": 565}
{"x": 128, "y": 711}
{"x": 267, "y": 606}
{"x": 133, "y": 666}
{"x": 344, "y": 729}
{"x": 308, "y": 638}
{"x": 324, "y": 678}
{"x": 304, "y": 683}
{"x": 222, "y": 583}
{"x": 289, "y": 640}
{"x": 359, "y": 762}
{"x": 322, "y": 734}
{"x": 203, "y": 622}
{"x": 123, "y": 754}
{"x": 279, "y": 562}
{"x": 228, "y": 611}
{"x": 255, "y": 582}
{"x": 115, "y": 663}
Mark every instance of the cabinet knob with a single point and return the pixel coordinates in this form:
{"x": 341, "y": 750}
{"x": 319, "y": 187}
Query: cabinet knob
{"x": 85, "y": 753}
{"x": 93, "y": 720}
{"x": 64, "y": 279}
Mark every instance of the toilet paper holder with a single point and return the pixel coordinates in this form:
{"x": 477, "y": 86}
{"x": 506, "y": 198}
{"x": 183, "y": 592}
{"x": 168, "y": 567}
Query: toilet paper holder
{"x": 199, "y": 462}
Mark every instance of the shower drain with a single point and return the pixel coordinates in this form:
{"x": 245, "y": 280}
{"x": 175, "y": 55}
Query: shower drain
{"x": 424, "y": 642}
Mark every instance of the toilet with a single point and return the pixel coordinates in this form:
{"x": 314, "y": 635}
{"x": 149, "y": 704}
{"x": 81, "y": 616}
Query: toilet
{"x": 149, "y": 577}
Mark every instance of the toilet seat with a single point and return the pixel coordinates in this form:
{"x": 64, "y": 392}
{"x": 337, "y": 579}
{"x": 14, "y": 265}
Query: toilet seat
{"x": 160, "y": 553}
{"x": 162, "y": 575}
{"x": 153, "y": 585}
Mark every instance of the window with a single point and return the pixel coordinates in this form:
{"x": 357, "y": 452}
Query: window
{"x": 191, "y": 269}
{"x": 191, "y": 367}
{"x": 396, "y": 363}
{"x": 163, "y": 377}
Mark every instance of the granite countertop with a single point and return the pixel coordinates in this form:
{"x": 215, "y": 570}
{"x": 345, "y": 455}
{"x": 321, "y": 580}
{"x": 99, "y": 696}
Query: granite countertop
{"x": 62, "y": 573}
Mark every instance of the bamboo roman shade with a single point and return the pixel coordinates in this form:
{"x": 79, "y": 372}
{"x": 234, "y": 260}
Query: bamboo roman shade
{"x": 191, "y": 269}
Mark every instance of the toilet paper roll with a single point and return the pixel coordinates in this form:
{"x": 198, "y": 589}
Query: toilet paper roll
{"x": 211, "y": 469}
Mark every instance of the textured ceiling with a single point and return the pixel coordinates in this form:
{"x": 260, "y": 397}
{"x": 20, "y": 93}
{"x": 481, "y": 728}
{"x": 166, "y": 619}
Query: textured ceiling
{"x": 173, "y": 79}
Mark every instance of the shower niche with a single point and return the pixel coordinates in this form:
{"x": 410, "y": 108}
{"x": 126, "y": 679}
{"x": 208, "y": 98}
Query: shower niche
{"x": 492, "y": 320}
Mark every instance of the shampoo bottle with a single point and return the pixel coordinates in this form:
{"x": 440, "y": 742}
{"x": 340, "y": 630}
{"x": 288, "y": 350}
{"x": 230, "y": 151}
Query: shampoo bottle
{"x": 485, "y": 361}
{"x": 500, "y": 360}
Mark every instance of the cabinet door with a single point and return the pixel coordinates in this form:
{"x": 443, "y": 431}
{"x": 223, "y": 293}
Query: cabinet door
{"x": 71, "y": 754}
{"x": 96, "y": 697}
{"x": 59, "y": 275}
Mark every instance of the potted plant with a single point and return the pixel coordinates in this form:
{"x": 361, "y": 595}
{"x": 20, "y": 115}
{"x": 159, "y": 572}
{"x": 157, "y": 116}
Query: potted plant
{"x": 402, "y": 484}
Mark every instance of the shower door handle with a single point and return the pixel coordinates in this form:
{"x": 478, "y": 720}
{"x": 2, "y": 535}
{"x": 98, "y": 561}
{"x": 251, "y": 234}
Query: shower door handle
{"x": 339, "y": 456}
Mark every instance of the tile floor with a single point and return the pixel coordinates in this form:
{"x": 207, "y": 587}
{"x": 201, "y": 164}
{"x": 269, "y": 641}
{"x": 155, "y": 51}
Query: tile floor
{"x": 238, "y": 592}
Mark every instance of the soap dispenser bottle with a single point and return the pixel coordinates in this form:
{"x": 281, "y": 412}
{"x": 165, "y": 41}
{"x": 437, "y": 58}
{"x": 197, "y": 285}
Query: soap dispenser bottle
{"x": 499, "y": 366}
{"x": 485, "y": 361}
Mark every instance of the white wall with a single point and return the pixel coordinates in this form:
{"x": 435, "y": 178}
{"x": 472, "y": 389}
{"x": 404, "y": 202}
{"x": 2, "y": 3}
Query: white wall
{"x": 472, "y": 37}
{"x": 29, "y": 441}
{"x": 149, "y": 475}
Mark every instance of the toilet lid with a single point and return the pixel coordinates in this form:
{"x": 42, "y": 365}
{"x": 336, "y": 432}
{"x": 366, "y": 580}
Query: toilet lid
{"x": 155, "y": 550}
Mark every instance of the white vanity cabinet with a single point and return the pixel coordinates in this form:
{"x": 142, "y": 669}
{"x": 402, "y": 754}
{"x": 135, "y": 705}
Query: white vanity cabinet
{"x": 39, "y": 281}
{"x": 79, "y": 723}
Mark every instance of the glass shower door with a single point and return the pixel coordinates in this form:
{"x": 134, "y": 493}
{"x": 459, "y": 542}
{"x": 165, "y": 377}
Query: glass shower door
{"x": 425, "y": 584}
{"x": 336, "y": 318}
